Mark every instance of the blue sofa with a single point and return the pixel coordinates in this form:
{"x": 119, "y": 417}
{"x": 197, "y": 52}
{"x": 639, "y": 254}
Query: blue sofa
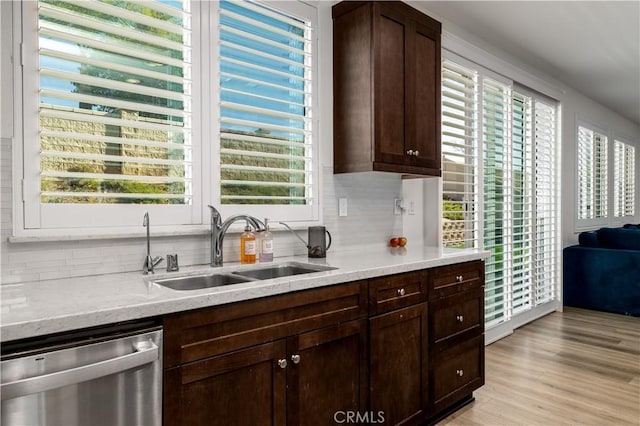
{"x": 603, "y": 271}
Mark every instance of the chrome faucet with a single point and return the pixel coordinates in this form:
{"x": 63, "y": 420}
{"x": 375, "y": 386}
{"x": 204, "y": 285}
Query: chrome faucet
{"x": 149, "y": 262}
{"x": 219, "y": 230}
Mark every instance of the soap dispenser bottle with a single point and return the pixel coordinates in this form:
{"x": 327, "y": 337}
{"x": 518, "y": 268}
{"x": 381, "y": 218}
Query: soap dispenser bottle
{"x": 266, "y": 244}
{"x": 247, "y": 245}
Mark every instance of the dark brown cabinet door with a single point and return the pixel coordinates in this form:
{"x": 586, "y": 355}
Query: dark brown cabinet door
{"x": 391, "y": 30}
{"x": 457, "y": 372}
{"x": 398, "y": 364}
{"x": 386, "y": 89}
{"x": 327, "y": 373}
{"x": 407, "y": 72}
{"x": 245, "y": 387}
{"x": 424, "y": 116}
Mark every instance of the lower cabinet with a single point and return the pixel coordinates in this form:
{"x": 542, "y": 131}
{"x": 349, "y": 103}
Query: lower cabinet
{"x": 240, "y": 388}
{"x": 294, "y": 359}
{"x": 302, "y": 380}
{"x": 399, "y": 349}
{"x": 456, "y": 335}
{"x": 398, "y": 369}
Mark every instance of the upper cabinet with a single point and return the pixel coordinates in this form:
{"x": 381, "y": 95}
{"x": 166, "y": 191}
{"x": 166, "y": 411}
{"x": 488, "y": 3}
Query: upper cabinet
{"x": 386, "y": 82}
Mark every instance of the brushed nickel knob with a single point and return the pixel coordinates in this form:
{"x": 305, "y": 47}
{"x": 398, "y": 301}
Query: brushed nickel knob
{"x": 410, "y": 152}
{"x": 459, "y": 318}
{"x": 282, "y": 363}
{"x": 459, "y": 278}
{"x": 460, "y": 373}
{"x": 416, "y": 152}
{"x": 295, "y": 358}
{"x": 401, "y": 292}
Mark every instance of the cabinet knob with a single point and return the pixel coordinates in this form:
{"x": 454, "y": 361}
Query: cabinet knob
{"x": 410, "y": 152}
{"x": 459, "y": 318}
{"x": 460, "y": 373}
{"x": 459, "y": 278}
{"x": 401, "y": 292}
{"x": 282, "y": 363}
{"x": 416, "y": 153}
{"x": 295, "y": 358}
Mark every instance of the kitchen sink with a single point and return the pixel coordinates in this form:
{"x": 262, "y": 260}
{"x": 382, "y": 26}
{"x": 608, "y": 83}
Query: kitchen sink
{"x": 197, "y": 282}
{"x": 282, "y": 270}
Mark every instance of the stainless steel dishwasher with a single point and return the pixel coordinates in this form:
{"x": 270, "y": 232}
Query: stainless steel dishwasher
{"x": 107, "y": 376}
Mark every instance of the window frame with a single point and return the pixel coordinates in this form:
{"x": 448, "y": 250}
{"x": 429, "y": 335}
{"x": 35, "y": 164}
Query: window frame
{"x": 299, "y": 215}
{"x": 31, "y": 221}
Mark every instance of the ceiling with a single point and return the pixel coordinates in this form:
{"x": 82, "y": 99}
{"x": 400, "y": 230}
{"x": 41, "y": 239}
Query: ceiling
{"x": 591, "y": 46}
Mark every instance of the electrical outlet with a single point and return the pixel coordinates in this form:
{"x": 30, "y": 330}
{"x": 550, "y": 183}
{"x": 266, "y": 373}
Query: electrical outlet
{"x": 397, "y": 206}
{"x": 342, "y": 207}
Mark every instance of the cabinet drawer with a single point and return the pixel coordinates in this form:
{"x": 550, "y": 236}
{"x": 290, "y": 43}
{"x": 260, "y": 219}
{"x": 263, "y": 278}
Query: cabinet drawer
{"x": 457, "y": 372}
{"x": 397, "y": 291}
{"x": 461, "y": 314}
{"x": 451, "y": 279}
{"x": 207, "y": 332}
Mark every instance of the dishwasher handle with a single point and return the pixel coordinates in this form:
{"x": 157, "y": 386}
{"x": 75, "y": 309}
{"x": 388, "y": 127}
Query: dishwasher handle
{"x": 145, "y": 352}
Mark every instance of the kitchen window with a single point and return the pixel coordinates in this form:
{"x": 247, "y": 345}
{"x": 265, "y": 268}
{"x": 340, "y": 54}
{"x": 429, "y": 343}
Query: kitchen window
{"x": 167, "y": 107}
{"x": 500, "y": 185}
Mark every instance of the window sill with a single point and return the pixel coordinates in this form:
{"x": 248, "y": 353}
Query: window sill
{"x": 38, "y": 236}
{"x": 53, "y": 235}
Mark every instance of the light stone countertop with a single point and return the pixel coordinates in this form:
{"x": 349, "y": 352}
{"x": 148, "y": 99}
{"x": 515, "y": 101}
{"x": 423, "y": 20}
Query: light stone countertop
{"x": 39, "y": 308}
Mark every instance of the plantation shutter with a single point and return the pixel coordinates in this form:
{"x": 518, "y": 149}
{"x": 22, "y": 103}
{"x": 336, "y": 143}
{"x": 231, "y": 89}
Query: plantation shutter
{"x": 265, "y": 106}
{"x": 115, "y": 102}
{"x": 592, "y": 174}
{"x": 521, "y": 202}
{"x": 497, "y": 187}
{"x": 459, "y": 156}
{"x": 624, "y": 179}
{"x": 546, "y": 214}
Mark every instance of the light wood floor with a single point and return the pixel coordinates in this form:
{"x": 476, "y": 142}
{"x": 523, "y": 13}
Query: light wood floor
{"x": 576, "y": 367}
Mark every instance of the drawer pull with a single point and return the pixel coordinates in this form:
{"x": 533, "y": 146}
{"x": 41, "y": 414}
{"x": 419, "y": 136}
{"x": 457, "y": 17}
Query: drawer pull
{"x": 459, "y": 318}
{"x": 460, "y": 373}
{"x": 459, "y": 278}
{"x": 282, "y": 363}
{"x": 401, "y": 292}
{"x": 295, "y": 358}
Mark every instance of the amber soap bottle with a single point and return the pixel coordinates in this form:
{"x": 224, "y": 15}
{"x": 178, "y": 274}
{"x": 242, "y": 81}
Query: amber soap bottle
{"x": 247, "y": 246}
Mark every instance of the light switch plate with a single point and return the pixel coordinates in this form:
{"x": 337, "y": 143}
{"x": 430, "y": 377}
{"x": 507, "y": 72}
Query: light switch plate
{"x": 342, "y": 207}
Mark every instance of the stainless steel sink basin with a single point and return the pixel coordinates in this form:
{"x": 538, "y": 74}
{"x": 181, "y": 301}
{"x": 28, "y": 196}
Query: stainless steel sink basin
{"x": 281, "y": 270}
{"x": 198, "y": 282}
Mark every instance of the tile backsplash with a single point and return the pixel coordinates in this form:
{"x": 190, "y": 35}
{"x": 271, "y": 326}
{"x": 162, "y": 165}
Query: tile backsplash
{"x": 370, "y": 221}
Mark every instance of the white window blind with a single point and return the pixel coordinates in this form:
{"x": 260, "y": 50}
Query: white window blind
{"x": 521, "y": 202}
{"x": 459, "y": 156}
{"x": 592, "y": 174}
{"x": 114, "y": 102}
{"x": 624, "y": 179}
{"x": 497, "y": 189}
{"x": 266, "y": 146}
{"x": 546, "y": 274}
